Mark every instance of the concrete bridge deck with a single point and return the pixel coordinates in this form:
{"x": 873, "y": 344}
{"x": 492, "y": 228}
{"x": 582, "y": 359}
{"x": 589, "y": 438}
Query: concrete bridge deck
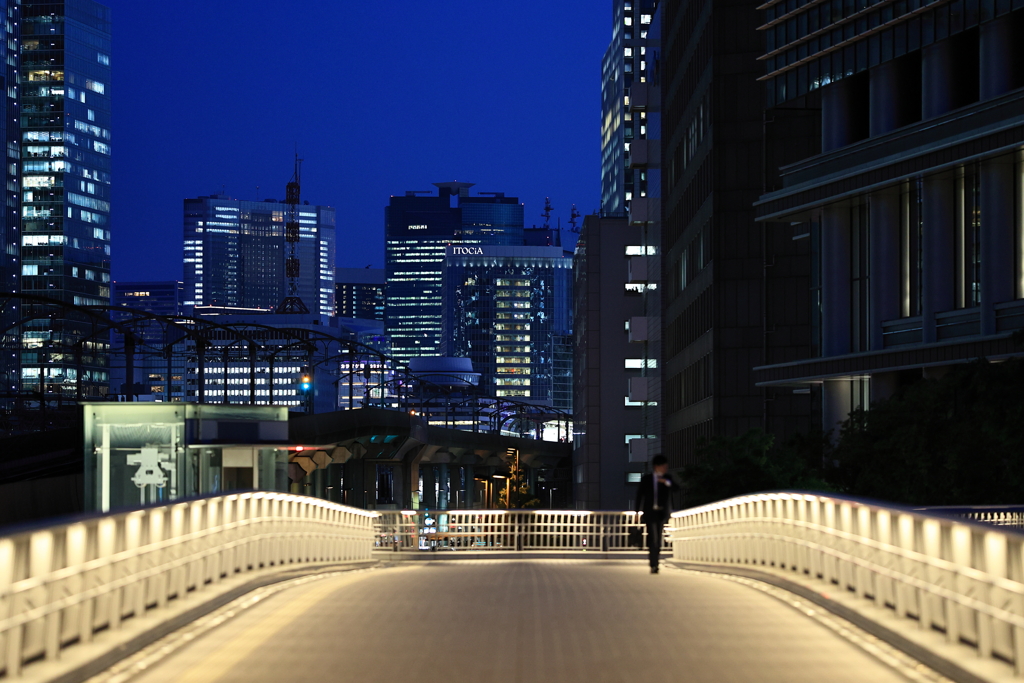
{"x": 521, "y": 621}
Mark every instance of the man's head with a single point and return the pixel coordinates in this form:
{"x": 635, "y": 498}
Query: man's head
{"x": 659, "y": 464}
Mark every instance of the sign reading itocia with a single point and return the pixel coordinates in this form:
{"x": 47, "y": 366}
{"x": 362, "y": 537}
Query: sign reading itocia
{"x": 467, "y": 251}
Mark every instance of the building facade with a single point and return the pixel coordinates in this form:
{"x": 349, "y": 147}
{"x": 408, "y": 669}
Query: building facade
{"x": 161, "y": 298}
{"x": 65, "y": 197}
{"x": 10, "y": 221}
{"x": 610, "y": 405}
{"x": 508, "y": 309}
{"x": 910, "y": 206}
{"x": 235, "y": 254}
{"x": 720, "y": 318}
{"x": 359, "y": 293}
{"x": 418, "y": 230}
{"x": 625, "y": 64}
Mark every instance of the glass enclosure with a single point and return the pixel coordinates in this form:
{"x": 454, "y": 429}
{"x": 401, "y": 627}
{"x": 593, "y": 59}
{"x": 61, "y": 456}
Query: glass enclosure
{"x": 139, "y": 453}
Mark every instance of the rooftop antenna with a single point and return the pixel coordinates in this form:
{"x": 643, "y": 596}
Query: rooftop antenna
{"x": 547, "y": 213}
{"x": 573, "y": 215}
{"x": 292, "y": 303}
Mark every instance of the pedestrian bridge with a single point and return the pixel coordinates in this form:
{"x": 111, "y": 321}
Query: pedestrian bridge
{"x": 275, "y": 587}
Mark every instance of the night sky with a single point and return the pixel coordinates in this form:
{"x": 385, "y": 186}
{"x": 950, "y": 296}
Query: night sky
{"x": 379, "y": 97}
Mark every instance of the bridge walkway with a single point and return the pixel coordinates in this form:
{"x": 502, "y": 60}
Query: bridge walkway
{"x": 518, "y": 621}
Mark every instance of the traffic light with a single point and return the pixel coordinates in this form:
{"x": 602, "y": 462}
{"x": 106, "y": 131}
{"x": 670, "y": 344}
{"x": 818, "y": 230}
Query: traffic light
{"x": 306, "y": 380}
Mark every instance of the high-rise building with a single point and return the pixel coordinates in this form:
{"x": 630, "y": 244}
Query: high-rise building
{"x": 625, "y": 64}
{"x": 418, "y": 230}
{"x": 162, "y": 298}
{"x": 65, "y": 209}
{"x": 720, "y": 321}
{"x": 617, "y": 407}
{"x": 908, "y": 206}
{"x": 359, "y": 293}
{"x": 610, "y": 406}
{"x": 149, "y": 368}
{"x": 508, "y": 309}
{"x": 235, "y": 253}
{"x": 10, "y": 220}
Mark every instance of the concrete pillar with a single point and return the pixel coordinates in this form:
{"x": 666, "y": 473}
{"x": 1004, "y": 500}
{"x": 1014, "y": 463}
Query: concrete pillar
{"x": 884, "y": 98}
{"x": 939, "y": 207}
{"x": 836, "y": 124}
{"x": 835, "y": 280}
{"x": 997, "y": 234}
{"x": 996, "y": 50}
{"x": 936, "y": 79}
{"x": 884, "y": 248}
{"x": 836, "y": 404}
{"x": 429, "y": 497}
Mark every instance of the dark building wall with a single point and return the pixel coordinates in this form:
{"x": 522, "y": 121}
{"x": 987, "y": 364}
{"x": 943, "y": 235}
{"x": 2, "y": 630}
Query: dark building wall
{"x": 915, "y": 255}
{"x": 715, "y": 258}
{"x": 601, "y": 416}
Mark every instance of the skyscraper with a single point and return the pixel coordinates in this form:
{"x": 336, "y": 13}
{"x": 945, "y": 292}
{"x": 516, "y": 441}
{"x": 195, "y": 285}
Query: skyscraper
{"x": 10, "y": 220}
{"x": 235, "y": 254}
{"x": 65, "y": 211}
{"x": 359, "y": 293}
{"x": 508, "y": 310}
{"x": 625, "y": 63}
{"x": 418, "y": 230}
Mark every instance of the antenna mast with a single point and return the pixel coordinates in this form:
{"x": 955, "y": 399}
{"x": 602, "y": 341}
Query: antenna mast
{"x": 292, "y": 303}
{"x": 573, "y": 215}
{"x": 547, "y": 213}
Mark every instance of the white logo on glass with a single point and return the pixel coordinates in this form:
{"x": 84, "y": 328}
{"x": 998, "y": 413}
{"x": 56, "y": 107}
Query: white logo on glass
{"x": 149, "y": 472}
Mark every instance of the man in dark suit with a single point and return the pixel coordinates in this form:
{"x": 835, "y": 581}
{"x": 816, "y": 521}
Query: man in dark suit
{"x": 654, "y": 501}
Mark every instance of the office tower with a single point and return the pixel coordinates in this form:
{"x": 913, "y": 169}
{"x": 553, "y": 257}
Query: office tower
{"x": 65, "y": 152}
{"x": 359, "y": 293}
{"x": 625, "y": 64}
{"x": 617, "y": 407}
{"x": 418, "y": 230}
{"x": 719, "y": 318}
{"x": 149, "y": 365}
{"x": 505, "y": 308}
{"x": 908, "y": 205}
{"x": 10, "y": 222}
{"x": 235, "y": 254}
{"x": 162, "y": 298}
{"x": 609, "y": 406}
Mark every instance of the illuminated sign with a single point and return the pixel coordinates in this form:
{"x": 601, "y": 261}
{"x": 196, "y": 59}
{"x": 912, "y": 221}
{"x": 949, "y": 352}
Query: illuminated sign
{"x": 468, "y": 251}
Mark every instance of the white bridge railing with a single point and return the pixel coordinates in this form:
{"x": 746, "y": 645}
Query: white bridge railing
{"x": 61, "y": 585}
{"x": 960, "y": 577}
{"x": 505, "y": 530}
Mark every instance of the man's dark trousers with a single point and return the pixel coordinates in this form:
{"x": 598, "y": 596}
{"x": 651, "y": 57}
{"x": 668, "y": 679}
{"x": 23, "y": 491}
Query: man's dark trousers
{"x": 655, "y": 521}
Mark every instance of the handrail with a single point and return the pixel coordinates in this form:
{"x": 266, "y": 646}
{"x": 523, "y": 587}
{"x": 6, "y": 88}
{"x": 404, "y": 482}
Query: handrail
{"x": 62, "y": 584}
{"x": 506, "y": 530}
{"x": 956, "y": 575}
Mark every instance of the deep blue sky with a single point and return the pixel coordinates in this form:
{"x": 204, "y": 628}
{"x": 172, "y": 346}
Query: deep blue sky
{"x": 380, "y": 97}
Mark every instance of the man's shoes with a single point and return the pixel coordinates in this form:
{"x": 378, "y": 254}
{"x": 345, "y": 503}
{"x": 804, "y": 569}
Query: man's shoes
{"x": 654, "y": 570}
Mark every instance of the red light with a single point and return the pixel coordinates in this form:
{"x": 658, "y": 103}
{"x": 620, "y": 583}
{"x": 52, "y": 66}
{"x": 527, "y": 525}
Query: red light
{"x": 299, "y": 448}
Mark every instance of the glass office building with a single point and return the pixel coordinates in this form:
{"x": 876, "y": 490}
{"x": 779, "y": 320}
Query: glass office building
{"x": 65, "y": 207}
{"x": 10, "y": 223}
{"x": 508, "y": 309}
{"x": 625, "y": 63}
{"x": 418, "y": 230}
{"x": 235, "y": 254}
{"x": 359, "y": 293}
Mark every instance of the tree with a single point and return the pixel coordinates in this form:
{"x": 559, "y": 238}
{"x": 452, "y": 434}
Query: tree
{"x": 519, "y": 486}
{"x": 732, "y": 466}
{"x": 956, "y": 440}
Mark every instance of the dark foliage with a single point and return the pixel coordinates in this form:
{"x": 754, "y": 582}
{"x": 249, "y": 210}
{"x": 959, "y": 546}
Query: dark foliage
{"x": 732, "y": 466}
{"x": 957, "y": 440}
